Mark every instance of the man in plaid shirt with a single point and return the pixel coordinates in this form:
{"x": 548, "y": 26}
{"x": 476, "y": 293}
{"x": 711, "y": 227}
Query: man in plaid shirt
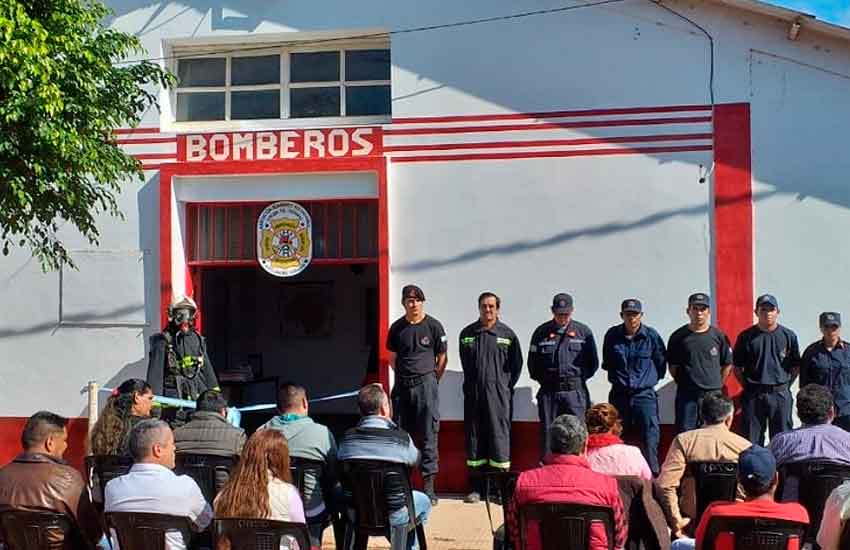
{"x": 566, "y": 477}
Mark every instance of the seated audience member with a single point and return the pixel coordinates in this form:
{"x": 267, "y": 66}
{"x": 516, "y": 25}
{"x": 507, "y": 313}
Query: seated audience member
{"x": 377, "y": 437}
{"x": 208, "y": 432}
{"x": 566, "y": 477}
{"x": 260, "y": 485}
{"x": 758, "y": 478}
{"x": 130, "y": 403}
{"x": 816, "y": 439}
{"x": 606, "y": 452}
{"x": 38, "y": 479}
{"x": 310, "y": 440}
{"x": 151, "y": 486}
{"x": 714, "y": 442}
{"x": 835, "y": 514}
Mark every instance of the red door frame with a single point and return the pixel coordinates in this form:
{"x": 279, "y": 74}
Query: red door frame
{"x": 376, "y": 165}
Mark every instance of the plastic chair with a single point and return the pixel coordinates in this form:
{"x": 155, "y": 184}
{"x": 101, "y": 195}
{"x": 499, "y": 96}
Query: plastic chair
{"x": 38, "y": 530}
{"x": 100, "y": 470}
{"x": 300, "y": 468}
{"x": 373, "y": 485}
{"x": 713, "y": 481}
{"x": 565, "y": 525}
{"x": 502, "y": 483}
{"x": 820, "y": 478}
{"x": 259, "y": 534}
{"x": 146, "y": 531}
{"x": 731, "y": 533}
{"x": 210, "y": 472}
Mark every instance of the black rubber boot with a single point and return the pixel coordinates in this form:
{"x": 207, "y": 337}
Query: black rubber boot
{"x": 429, "y": 490}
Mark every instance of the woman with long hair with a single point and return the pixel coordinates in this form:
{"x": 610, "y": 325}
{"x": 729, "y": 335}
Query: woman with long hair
{"x": 606, "y": 452}
{"x": 129, "y": 403}
{"x": 260, "y": 485}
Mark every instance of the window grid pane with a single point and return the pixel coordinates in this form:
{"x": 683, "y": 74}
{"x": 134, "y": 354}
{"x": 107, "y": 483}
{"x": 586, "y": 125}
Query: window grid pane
{"x": 314, "y": 66}
{"x": 246, "y": 71}
{"x": 367, "y": 65}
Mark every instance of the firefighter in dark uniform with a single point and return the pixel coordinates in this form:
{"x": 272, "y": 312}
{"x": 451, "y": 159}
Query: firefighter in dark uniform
{"x": 178, "y": 365}
{"x": 633, "y": 355}
{"x": 767, "y": 360}
{"x": 491, "y": 358}
{"x": 827, "y": 362}
{"x": 561, "y": 357}
{"x": 417, "y": 345}
{"x": 700, "y": 358}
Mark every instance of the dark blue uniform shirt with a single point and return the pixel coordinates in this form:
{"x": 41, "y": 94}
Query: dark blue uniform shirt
{"x": 767, "y": 358}
{"x": 830, "y": 369}
{"x": 635, "y": 363}
{"x": 558, "y": 352}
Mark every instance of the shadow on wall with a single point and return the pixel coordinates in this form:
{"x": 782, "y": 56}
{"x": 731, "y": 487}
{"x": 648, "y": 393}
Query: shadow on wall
{"x": 519, "y": 247}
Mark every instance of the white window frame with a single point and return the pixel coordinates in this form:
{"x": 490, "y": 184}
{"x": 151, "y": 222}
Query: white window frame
{"x": 278, "y": 44}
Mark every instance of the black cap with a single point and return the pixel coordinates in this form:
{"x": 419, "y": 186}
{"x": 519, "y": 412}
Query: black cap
{"x": 562, "y": 303}
{"x": 767, "y": 299}
{"x": 830, "y": 318}
{"x": 412, "y": 291}
{"x": 699, "y": 299}
{"x": 631, "y": 304}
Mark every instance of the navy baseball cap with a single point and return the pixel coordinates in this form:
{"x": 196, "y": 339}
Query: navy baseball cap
{"x": 412, "y": 291}
{"x": 562, "y": 303}
{"x": 830, "y": 318}
{"x": 757, "y": 465}
{"x": 699, "y": 299}
{"x": 631, "y": 304}
{"x": 767, "y": 299}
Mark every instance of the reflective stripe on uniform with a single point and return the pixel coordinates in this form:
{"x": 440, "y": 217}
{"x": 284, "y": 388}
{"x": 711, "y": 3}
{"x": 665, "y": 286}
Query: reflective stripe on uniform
{"x": 532, "y": 348}
{"x": 467, "y": 340}
{"x": 503, "y": 341}
{"x": 500, "y": 465}
{"x": 476, "y": 463}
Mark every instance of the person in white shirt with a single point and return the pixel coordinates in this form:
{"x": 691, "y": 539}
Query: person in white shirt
{"x": 835, "y": 514}
{"x": 152, "y": 486}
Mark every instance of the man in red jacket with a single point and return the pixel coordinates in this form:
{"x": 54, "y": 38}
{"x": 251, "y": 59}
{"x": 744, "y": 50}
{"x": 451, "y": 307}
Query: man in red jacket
{"x": 566, "y": 477}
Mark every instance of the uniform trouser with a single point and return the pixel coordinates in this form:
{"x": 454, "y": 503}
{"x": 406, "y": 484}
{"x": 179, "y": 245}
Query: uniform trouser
{"x": 552, "y": 404}
{"x": 688, "y": 402}
{"x": 762, "y": 409}
{"x": 487, "y": 424}
{"x": 639, "y": 415}
{"x": 416, "y": 409}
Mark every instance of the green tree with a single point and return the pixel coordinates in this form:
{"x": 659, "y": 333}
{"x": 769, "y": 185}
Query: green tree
{"x": 61, "y": 94}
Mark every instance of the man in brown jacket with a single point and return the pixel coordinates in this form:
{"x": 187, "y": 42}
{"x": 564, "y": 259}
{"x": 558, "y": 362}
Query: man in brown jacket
{"x": 714, "y": 442}
{"x": 38, "y": 478}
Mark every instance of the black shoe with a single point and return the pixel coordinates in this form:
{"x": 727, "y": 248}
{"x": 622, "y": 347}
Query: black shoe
{"x": 472, "y": 498}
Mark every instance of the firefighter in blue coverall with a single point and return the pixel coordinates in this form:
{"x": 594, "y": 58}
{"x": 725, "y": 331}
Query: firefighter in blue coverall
{"x": 634, "y": 356}
{"x": 561, "y": 357}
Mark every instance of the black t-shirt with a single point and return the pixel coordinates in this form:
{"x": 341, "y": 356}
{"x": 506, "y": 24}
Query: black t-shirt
{"x": 416, "y": 346}
{"x": 769, "y": 358}
{"x": 700, "y": 356}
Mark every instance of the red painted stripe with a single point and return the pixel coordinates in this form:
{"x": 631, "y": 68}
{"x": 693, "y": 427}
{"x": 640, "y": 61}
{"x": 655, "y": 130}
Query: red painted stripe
{"x": 547, "y": 126}
{"x": 141, "y": 141}
{"x": 554, "y": 154}
{"x": 545, "y": 142}
{"x": 733, "y": 221}
{"x": 126, "y": 131}
{"x": 152, "y": 156}
{"x": 153, "y": 166}
{"x": 551, "y": 114}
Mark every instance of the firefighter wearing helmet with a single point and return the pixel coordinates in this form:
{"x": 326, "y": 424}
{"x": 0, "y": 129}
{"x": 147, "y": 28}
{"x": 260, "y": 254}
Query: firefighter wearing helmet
{"x": 178, "y": 365}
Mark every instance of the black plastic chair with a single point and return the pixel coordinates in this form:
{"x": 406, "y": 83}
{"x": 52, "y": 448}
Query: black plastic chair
{"x": 100, "y": 470}
{"x": 38, "y": 530}
{"x": 730, "y": 533}
{"x": 146, "y": 531}
{"x": 713, "y": 481}
{"x": 817, "y": 479}
{"x": 300, "y": 468}
{"x": 565, "y": 525}
{"x": 501, "y": 483}
{"x": 259, "y": 534}
{"x": 372, "y": 483}
{"x": 210, "y": 472}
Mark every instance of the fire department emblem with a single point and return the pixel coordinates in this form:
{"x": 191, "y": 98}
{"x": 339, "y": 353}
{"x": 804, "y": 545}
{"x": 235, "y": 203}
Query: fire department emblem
{"x": 284, "y": 239}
